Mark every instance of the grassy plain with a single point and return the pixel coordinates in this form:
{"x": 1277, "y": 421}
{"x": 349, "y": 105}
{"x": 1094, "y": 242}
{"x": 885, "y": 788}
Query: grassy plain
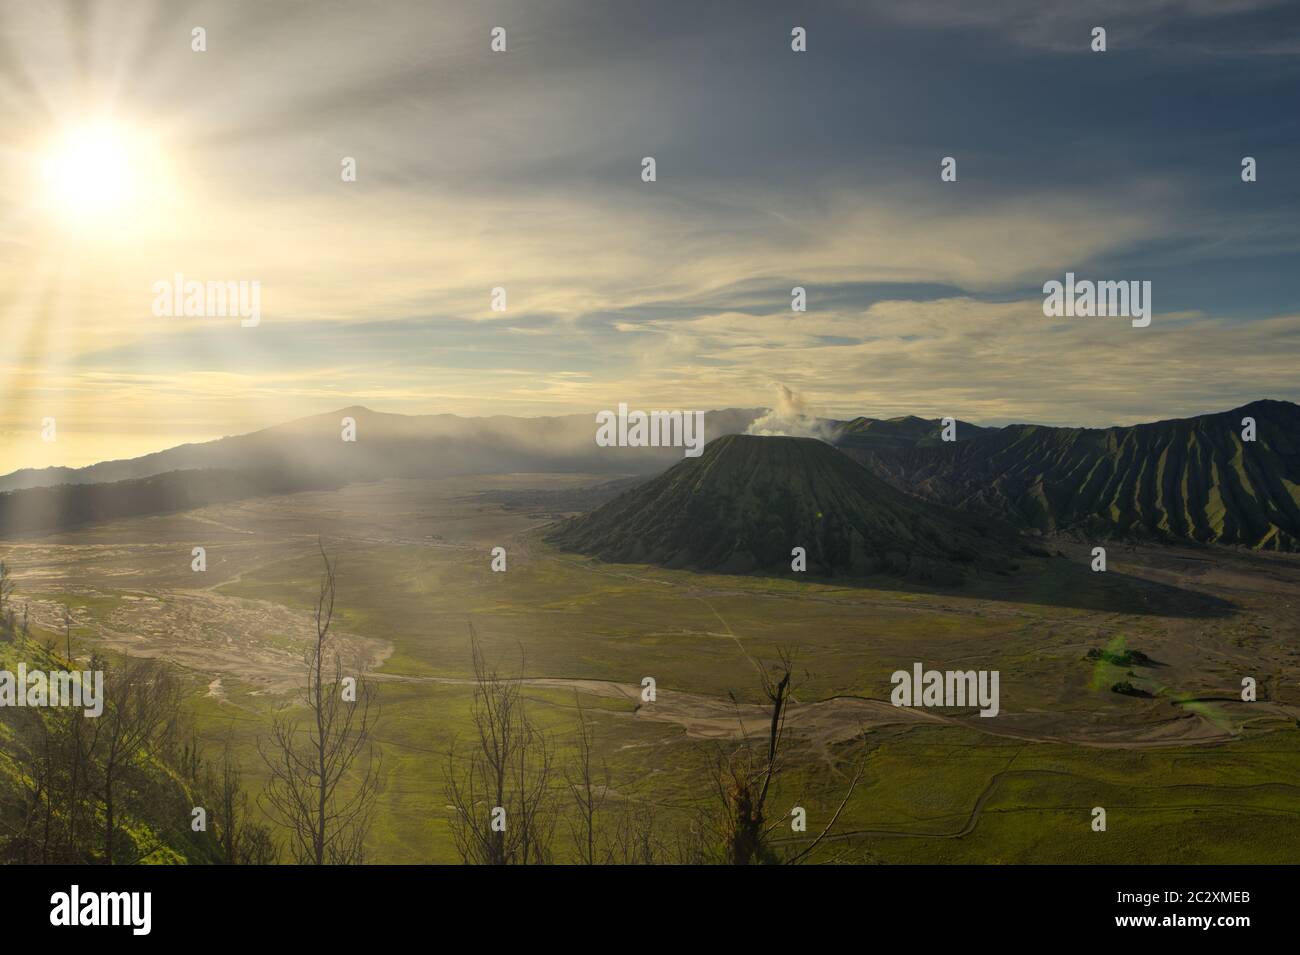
{"x": 1186, "y": 772}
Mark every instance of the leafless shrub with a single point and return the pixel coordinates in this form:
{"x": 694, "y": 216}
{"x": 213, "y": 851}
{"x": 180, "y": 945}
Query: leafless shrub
{"x": 324, "y": 774}
{"x": 499, "y": 789}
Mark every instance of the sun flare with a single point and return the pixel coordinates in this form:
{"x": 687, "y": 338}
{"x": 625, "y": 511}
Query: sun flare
{"x": 95, "y": 172}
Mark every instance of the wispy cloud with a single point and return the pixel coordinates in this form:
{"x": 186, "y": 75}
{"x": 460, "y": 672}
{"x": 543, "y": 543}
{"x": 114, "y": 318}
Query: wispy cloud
{"x": 818, "y": 170}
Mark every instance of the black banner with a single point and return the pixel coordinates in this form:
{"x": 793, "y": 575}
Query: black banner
{"x": 336, "y": 905}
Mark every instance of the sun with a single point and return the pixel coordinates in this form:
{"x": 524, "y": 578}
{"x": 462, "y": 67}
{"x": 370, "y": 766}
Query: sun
{"x": 92, "y": 172}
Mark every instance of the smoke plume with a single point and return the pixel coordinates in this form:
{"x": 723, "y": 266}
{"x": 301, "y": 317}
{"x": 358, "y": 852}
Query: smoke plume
{"x": 792, "y": 417}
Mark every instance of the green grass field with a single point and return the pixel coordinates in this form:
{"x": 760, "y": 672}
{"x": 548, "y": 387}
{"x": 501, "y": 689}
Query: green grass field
{"x": 1202, "y": 782}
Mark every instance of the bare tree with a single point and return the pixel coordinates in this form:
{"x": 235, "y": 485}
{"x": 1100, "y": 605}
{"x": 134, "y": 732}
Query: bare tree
{"x": 500, "y": 792}
{"x": 589, "y": 792}
{"x": 637, "y": 839}
{"x": 232, "y": 806}
{"x": 50, "y": 763}
{"x": 141, "y": 698}
{"x": 97, "y": 790}
{"x": 242, "y": 841}
{"x": 743, "y": 782}
{"x": 76, "y": 758}
{"x": 325, "y": 775}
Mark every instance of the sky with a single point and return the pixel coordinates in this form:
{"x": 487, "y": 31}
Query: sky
{"x": 522, "y": 169}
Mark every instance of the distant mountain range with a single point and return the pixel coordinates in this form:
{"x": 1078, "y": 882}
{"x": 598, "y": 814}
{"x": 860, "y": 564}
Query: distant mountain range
{"x": 748, "y": 501}
{"x": 875, "y": 434}
{"x": 310, "y": 454}
{"x": 394, "y": 445}
{"x": 1185, "y": 480}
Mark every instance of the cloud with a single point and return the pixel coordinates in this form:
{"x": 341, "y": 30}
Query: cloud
{"x": 776, "y": 170}
{"x": 1201, "y": 26}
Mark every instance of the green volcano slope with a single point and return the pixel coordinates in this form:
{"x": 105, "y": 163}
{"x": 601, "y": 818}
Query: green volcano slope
{"x": 1188, "y": 480}
{"x": 747, "y": 501}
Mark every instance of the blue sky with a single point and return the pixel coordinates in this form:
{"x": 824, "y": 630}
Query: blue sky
{"x": 775, "y": 169}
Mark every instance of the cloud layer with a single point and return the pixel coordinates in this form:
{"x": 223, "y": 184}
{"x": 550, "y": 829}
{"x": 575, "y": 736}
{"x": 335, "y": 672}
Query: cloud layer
{"x": 776, "y": 170}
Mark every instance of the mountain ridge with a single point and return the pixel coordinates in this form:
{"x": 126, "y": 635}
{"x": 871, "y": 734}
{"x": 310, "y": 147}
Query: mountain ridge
{"x": 1178, "y": 480}
{"x": 1186, "y": 480}
{"x": 402, "y": 446}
